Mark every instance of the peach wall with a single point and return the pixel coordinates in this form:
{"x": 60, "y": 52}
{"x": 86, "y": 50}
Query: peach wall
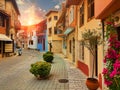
{"x": 100, "y": 5}
{"x": 52, "y": 24}
{"x": 2, "y": 30}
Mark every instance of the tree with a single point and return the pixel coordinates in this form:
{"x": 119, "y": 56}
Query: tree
{"x": 91, "y": 38}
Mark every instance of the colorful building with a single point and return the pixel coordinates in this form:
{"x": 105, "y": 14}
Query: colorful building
{"x": 54, "y": 42}
{"x": 79, "y": 16}
{"x": 42, "y": 36}
{"x": 32, "y": 37}
{"x": 22, "y": 37}
{"x": 61, "y": 27}
{"x": 8, "y": 17}
{"x": 103, "y": 10}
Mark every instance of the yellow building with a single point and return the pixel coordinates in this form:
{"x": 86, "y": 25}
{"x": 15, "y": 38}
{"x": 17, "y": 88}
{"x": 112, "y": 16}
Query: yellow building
{"x": 103, "y": 10}
{"x": 53, "y": 39}
{"x": 87, "y": 21}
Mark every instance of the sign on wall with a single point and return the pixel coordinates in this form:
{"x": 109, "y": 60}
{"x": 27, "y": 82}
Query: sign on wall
{"x": 8, "y": 47}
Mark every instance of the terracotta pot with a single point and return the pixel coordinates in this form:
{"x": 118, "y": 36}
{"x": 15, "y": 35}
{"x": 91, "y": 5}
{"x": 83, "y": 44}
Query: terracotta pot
{"x": 92, "y": 83}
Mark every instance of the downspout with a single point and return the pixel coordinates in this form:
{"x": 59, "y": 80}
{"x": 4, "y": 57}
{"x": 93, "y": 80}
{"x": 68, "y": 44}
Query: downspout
{"x": 76, "y": 54}
{"x": 103, "y": 30}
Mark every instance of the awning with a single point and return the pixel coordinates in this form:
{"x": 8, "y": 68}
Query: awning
{"x": 68, "y": 30}
{"x": 4, "y": 38}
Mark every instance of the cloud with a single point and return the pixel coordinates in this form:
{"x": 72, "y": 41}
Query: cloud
{"x": 20, "y": 2}
{"x": 57, "y": 7}
{"x": 32, "y": 15}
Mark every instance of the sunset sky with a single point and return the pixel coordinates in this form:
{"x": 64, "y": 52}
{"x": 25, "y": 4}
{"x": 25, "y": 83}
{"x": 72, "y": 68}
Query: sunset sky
{"x": 33, "y": 11}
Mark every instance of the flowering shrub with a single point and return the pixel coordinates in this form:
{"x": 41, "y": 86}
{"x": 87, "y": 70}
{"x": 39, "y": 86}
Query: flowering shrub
{"x": 112, "y": 59}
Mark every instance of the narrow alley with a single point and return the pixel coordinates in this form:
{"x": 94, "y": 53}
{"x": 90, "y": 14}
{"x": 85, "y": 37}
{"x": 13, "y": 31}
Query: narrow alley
{"x": 15, "y": 75}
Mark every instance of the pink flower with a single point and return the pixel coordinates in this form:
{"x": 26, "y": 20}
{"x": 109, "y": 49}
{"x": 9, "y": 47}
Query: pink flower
{"x": 117, "y": 64}
{"x": 117, "y": 44}
{"x": 107, "y": 82}
{"x": 113, "y": 73}
{"x": 118, "y": 56}
{"x": 111, "y": 54}
{"x": 109, "y": 23}
{"x": 105, "y": 71}
{"x": 104, "y": 60}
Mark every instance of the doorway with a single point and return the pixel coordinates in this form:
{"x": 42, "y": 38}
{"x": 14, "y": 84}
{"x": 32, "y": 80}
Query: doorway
{"x": 118, "y": 32}
{"x": 73, "y": 54}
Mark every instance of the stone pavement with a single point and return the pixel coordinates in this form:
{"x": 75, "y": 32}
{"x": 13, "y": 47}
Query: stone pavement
{"x": 75, "y": 76}
{"x": 15, "y": 75}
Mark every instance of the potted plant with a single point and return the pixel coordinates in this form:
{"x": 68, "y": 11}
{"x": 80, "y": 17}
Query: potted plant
{"x": 111, "y": 71}
{"x": 40, "y": 69}
{"x": 91, "y": 38}
{"x": 48, "y": 57}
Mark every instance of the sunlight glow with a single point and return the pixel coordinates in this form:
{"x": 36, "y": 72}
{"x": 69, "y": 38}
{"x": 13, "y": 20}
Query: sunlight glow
{"x": 31, "y": 16}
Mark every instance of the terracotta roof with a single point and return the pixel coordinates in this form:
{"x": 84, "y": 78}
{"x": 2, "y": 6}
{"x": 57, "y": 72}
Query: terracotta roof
{"x": 111, "y": 8}
{"x": 51, "y": 12}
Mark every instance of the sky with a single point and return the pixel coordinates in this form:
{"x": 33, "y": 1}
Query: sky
{"x": 33, "y": 11}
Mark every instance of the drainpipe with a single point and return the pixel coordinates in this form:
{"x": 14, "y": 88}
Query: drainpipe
{"x": 103, "y": 29}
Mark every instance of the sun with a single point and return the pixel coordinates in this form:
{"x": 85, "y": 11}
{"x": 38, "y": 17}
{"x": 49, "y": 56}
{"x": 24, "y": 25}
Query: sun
{"x": 30, "y": 22}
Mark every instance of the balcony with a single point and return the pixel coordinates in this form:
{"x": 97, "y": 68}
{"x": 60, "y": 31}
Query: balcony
{"x": 72, "y": 2}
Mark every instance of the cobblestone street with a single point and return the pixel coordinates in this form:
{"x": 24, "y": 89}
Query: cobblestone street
{"x": 15, "y": 75}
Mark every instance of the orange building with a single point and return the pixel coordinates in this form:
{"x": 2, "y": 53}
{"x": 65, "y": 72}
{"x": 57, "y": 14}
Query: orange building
{"x": 104, "y": 9}
{"x": 8, "y": 17}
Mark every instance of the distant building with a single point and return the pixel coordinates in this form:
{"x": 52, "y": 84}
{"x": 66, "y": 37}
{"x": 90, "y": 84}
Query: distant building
{"x": 55, "y": 42}
{"x": 22, "y": 37}
{"x": 32, "y": 37}
{"x": 42, "y": 36}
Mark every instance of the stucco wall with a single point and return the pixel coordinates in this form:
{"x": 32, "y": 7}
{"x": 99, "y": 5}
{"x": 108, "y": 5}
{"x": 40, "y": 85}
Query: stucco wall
{"x": 57, "y": 46}
{"x": 90, "y": 24}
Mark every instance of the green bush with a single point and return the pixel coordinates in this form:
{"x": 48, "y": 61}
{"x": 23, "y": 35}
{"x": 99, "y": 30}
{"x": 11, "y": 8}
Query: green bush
{"x": 48, "y": 57}
{"x": 48, "y": 52}
{"x": 40, "y": 69}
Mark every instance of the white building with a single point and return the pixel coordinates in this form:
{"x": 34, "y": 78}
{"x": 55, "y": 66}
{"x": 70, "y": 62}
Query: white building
{"x": 32, "y": 39}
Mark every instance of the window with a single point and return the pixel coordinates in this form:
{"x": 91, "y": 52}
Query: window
{"x": 70, "y": 46}
{"x": 71, "y": 15}
{"x": 55, "y": 17}
{"x": 55, "y": 30}
{"x": 81, "y": 51}
{"x": 30, "y": 42}
{"x": 90, "y": 9}
{"x": 118, "y": 32}
{"x": 82, "y": 15}
{"x": 50, "y": 31}
{"x": 2, "y": 21}
{"x": 49, "y": 19}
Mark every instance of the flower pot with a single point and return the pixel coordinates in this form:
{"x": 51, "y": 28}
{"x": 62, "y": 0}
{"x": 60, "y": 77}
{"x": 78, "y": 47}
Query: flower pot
{"x": 92, "y": 83}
